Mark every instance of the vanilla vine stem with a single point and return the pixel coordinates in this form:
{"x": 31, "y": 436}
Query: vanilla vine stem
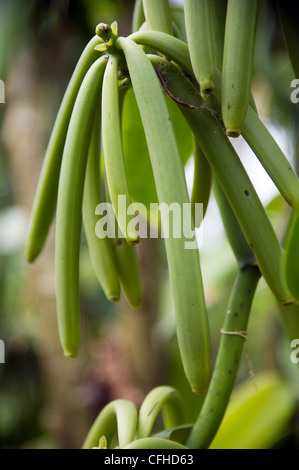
{"x": 226, "y": 367}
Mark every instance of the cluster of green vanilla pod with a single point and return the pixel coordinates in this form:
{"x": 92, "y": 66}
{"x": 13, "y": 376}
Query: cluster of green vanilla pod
{"x": 94, "y": 122}
{"x": 213, "y": 93}
{"x": 71, "y": 180}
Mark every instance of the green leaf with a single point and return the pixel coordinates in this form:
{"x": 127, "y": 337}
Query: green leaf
{"x": 258, "y": 414}
{"x": 178, "y": 433}
{"x": 138, "y": 166}
{"x": 291, "y": 265}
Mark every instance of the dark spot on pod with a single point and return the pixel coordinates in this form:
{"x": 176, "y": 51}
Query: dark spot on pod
{"x": 236, "y": 315}
{"x": 230, "y": 371}
{"x": 211, "y": 409}
{"x": 246, "y": 192}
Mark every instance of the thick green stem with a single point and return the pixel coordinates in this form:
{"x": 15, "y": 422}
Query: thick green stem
{"x": 202, "y": 181}
{"x": 228, "y": 358}
{"x": 238, "y": 243}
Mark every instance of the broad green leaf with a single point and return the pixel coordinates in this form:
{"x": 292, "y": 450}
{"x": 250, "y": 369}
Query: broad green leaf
{"x": 258, "y": 414}
{"x": 291, "y": 267}
{"x": 138, "y": 166}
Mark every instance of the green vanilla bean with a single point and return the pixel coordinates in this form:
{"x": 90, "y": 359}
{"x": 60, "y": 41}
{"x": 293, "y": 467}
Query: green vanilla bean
{"x": 101, "y": 253}
{"x": 200, "y": 42}
{"x": 154, "y": 443}
{"x": 171, "y": 47}
{"x": 138, "y": 17}
{"x": 239, "y": 40}
{"x": 113, "y": 151}
{"x": 128, "y": 272}
{"x": 165, "y": 398}
{"x": 232, "y": 177}
{"x": 126, "y": 262}
{"x": 184, "y": 265}
{"x": 158, "y": 15}
{"x": 226, "y": 367}
{"x": 69, "y": 208}
{"x": 218, "y": 20}
{"x": 118, "y": 417}
{"x": 218, "y": 17}
{"x": 44, "y": 203}
{"x": 202, "y": 181}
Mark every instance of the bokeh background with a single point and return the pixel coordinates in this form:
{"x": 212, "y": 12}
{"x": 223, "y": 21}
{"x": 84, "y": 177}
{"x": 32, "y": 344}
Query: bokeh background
{"x": 47, "y": 400}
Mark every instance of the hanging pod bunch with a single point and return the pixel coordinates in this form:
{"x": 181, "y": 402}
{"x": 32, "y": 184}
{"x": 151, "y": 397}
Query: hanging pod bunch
{"x": 79, "y": 181}
{"x": 71, "y": 176}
